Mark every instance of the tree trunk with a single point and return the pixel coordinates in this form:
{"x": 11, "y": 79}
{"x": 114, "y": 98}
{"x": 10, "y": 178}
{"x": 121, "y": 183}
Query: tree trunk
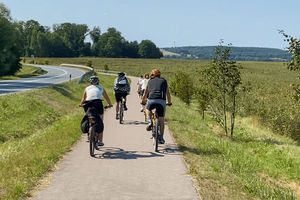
{"x": 233, "y": 116}
{"x": 224, "y": 112}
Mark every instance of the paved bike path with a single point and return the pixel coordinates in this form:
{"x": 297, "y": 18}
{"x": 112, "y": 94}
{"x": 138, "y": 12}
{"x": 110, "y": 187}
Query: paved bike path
{"x": 125, "y": 168}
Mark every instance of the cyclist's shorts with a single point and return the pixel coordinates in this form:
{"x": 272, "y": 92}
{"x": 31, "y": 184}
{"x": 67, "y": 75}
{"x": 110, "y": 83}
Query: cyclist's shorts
{"x": 119, "y": 96}
{"x": 159, "y": 104}
{"x": 97, "y": 103}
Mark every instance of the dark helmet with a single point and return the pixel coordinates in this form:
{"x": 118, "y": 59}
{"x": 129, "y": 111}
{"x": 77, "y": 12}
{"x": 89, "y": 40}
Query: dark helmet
{"x": 120, "y": 74}
{"x": 94, "y": 80}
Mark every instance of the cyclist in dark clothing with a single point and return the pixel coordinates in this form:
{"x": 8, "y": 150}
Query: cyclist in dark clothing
{"x": 157, "y": 93}
{"x": 122, "y": 89}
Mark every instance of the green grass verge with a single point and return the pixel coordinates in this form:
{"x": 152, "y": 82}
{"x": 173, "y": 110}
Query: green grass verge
{"x": 255, "y": 164}
{"x": 25, "y": 72}
{"x": 37, "y": 127}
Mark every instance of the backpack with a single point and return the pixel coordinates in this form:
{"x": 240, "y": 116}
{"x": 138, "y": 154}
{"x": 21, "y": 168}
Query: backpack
{"x": 122, "y": 84}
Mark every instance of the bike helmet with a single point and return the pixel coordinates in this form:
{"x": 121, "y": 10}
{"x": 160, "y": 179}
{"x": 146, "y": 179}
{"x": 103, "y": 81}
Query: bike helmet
{"x": 94, "y": 80}
{"x": 120, "y": 74}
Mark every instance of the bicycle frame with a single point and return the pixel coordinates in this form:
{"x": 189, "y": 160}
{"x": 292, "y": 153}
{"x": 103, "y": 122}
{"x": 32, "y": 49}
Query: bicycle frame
{"x": 155, "y": 129}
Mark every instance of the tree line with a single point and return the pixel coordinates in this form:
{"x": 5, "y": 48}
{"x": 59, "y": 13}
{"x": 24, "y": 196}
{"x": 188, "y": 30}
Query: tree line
{"x": 30, "y": 38}
{"x": 237, "y": 53}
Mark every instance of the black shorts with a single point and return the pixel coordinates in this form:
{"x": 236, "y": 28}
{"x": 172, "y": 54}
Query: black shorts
{"x": 119, "y": 95}
{"x": 97, "y": 103}
{"x": 159, "y": 109}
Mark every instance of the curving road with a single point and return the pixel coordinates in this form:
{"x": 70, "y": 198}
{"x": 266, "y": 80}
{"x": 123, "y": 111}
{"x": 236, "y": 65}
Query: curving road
{"x": 55, "y": 75}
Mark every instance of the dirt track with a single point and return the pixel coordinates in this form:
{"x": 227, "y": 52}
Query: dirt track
{"x": 125, "y": 168}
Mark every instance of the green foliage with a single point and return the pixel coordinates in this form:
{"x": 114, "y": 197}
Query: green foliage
{"x": 294, "y": 64}
{"x": 182, "y": 86}
{"x": 147, "y": 49}
{"x": 106, "y": 67}
{"x": 89, "y": 63}
{"x": 223, "y": 77}
{"x": 95, "y": 34}
{"x": 10, "y": 44}
{"x": 203, "y": 96}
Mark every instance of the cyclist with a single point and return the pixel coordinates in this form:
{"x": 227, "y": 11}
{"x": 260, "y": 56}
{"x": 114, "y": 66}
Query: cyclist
{"x": 144, "y": 84}
{"x": 157, "y": 92}
{"x": 139, "y": 84}
{"x": 122, "y": 89}
{"x": 93, "y": 94}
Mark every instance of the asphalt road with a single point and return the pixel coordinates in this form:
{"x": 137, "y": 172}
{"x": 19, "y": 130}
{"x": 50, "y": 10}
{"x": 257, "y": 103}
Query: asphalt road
{"x": 126, "y": 168}
{"x": 55, "y": 75}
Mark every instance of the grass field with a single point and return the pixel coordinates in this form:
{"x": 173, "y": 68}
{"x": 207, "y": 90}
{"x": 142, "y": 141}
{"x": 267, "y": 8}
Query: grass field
{"x": 256, "y": 164}
{"x": 37, "y": 128}
{"x": 25, "y": 72}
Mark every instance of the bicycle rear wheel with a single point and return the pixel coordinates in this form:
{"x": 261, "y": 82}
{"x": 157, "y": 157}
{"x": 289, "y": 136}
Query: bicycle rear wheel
{"x": 156, "y": 135}
{"x": 121, "y": 112}
{"x": 93, "y": 142}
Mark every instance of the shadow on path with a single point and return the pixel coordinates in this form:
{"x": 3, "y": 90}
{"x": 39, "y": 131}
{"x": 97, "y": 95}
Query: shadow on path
{"x": 131, "y": 122}
{"x": 118, "y": 153}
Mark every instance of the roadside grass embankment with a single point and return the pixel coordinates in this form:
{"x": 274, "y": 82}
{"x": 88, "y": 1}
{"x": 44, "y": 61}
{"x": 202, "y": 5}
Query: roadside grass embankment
{"x": 256, "y": 164}
{"x": 25, "y": 72}
{"x": 37, "y": 128}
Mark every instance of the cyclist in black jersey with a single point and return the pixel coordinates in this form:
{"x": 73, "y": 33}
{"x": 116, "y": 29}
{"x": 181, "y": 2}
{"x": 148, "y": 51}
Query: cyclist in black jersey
{"x": 157, "y": 93}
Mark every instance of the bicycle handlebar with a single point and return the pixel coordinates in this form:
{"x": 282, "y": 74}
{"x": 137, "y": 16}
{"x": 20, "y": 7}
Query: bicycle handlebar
{"x": 108, "y": 106}
{"x": 144, "y": 103}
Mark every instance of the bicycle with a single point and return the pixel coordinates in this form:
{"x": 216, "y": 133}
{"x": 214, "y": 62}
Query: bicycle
{"x": 121, "y": 110}
{"x": 155, "y": 127}
{"x": 92, "y": 134}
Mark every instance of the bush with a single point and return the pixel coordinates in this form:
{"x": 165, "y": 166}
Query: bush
{"x": 182, "y": 86}
{"x": 89, "y": 63}
{"x": 106, "y": 67}
{"x": 46, "y": 62}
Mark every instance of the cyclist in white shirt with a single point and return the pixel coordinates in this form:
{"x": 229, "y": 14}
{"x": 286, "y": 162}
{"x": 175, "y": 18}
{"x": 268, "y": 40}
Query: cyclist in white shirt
{"x": 144, "y": 84}
{"x": 93, "y": 94}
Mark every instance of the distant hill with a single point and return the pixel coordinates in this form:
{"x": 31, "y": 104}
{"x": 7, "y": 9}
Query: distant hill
{"x": 238, "y": 53}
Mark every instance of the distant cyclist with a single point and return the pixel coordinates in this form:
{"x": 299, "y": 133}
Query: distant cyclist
{"x": 144, "y": 84}
{"x": 93, "y": 94}
{"x": 157, "y": 92}
{"x": 139, "y": 84}
{"x": 122, "y": 89}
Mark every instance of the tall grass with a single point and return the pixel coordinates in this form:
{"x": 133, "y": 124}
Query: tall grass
{"x": 256, "y": 164}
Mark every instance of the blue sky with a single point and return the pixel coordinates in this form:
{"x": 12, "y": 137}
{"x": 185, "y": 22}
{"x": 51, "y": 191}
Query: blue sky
{"x": 251, "y": 23}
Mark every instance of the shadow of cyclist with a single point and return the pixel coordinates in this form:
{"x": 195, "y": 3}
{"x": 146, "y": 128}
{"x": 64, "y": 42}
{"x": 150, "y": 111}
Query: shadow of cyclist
{"x": 118, "y": 153}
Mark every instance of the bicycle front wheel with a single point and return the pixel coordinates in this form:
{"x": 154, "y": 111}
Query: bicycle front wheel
{"x": 121, "y": 113}
{"x": 92, "y": 141}
{"x": 156, "y": 135}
